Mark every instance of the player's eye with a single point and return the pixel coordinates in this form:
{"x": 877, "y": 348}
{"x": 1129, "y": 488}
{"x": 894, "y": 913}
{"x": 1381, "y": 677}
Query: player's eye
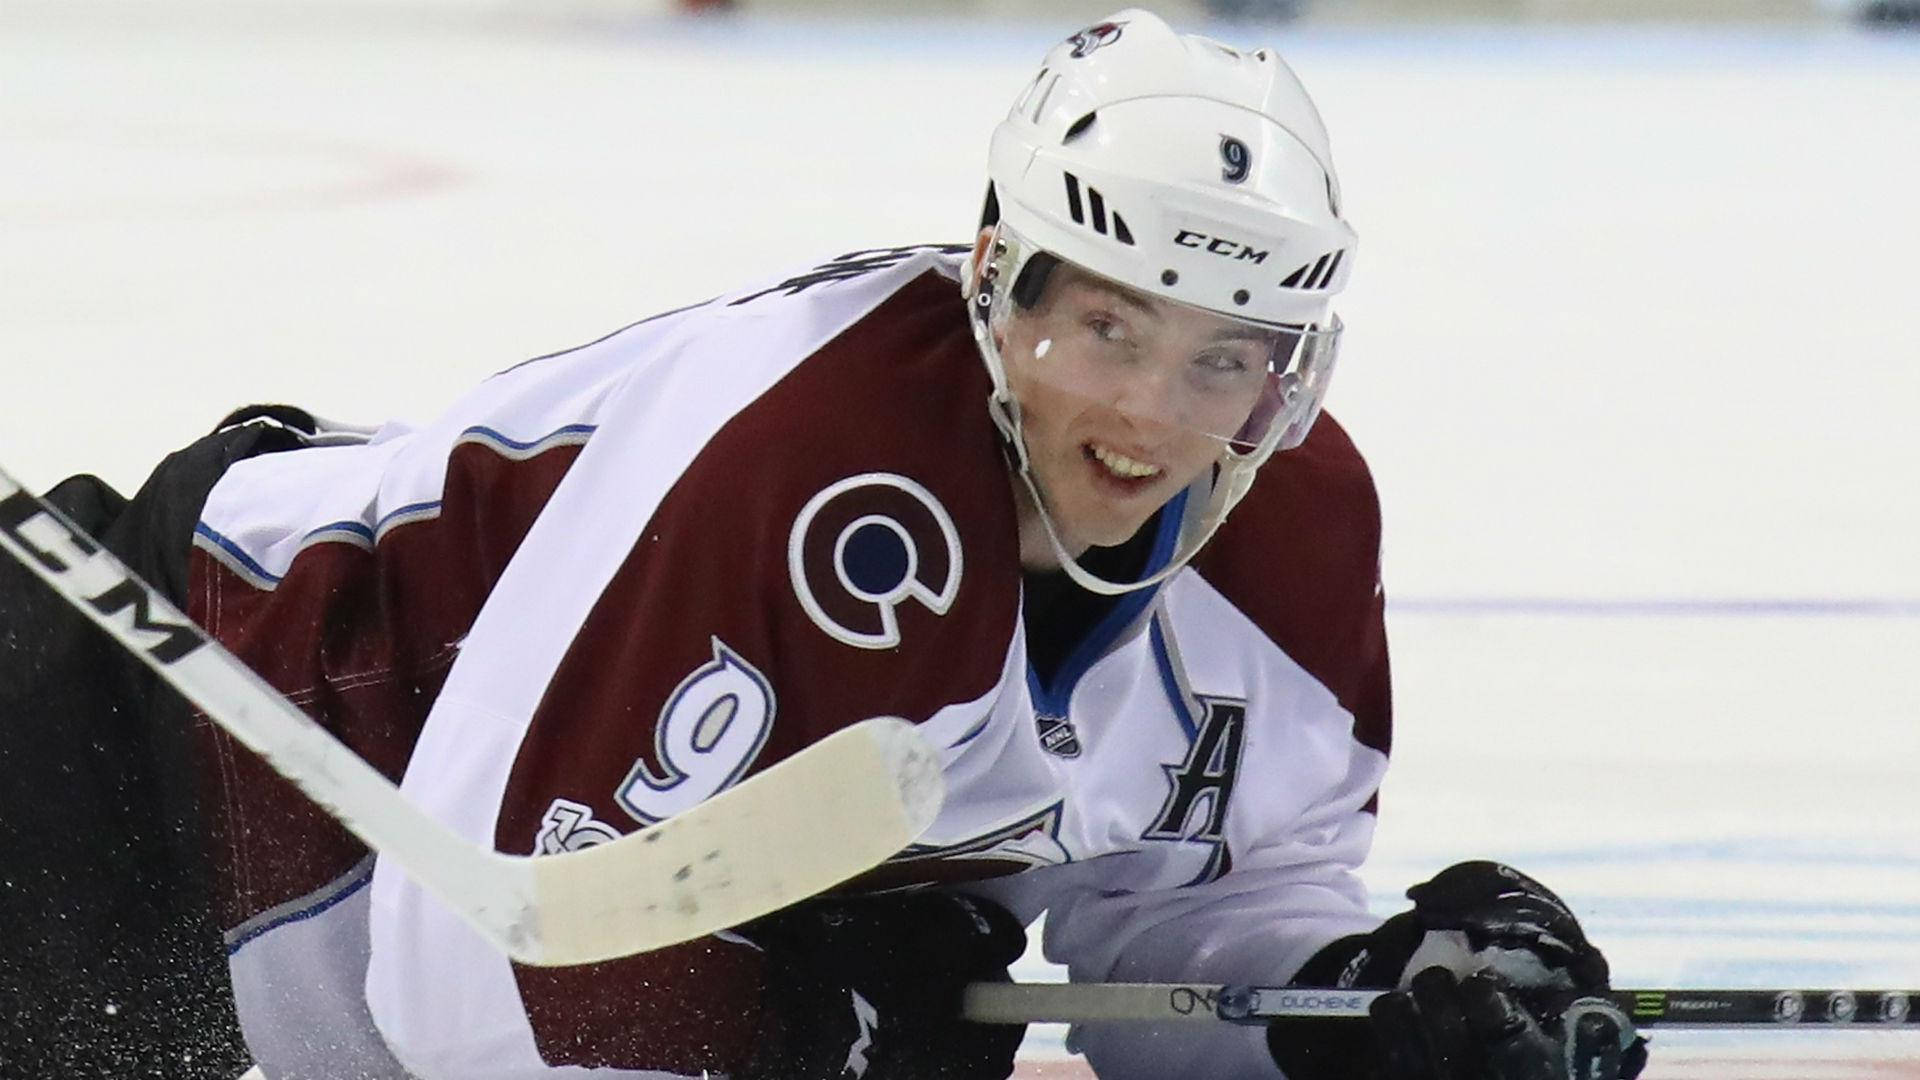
{"x": 1108, "y": 329}
{"x": 1222, "y": 361}
{"x": 1227, "y": 369}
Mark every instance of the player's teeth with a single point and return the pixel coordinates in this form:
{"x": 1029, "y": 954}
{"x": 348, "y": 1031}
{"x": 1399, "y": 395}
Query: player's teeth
{"x": 1122, "y": 465}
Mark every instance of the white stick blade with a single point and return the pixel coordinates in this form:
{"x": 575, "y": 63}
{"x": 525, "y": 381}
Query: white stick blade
{"x": 830, "y": 812}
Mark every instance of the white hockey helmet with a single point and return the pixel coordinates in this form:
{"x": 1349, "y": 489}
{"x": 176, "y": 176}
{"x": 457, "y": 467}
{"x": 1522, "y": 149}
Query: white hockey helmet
{"x": 1189, "y": 171}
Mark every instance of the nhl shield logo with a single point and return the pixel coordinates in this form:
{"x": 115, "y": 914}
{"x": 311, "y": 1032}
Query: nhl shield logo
{"x": 1057, "y": 736}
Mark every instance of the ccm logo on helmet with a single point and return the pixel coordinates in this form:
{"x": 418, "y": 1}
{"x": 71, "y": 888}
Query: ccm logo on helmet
{"x": 1220, "y": 245}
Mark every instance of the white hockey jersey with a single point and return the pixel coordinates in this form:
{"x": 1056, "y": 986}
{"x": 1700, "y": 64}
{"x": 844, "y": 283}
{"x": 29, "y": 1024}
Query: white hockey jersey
{"x": 610, "y": 582}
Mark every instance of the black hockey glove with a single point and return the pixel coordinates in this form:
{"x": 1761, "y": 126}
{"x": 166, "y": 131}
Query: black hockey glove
{"x": 1494, "y": 980}
{"x": 870, "y": 988}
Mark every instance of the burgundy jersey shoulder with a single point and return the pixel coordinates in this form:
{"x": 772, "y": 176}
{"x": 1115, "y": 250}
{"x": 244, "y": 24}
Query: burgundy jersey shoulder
{"x": 841, "y": 535}
{"x": 1300, "y": 557}
{"x": 842, "y": 547}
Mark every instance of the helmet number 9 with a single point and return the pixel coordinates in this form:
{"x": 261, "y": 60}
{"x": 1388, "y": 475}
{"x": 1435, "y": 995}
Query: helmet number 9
{"x": 710, "y": 730}
{"x": 1236, "y": 161}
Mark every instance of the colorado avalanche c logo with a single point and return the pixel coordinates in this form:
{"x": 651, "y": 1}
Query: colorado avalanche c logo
{"x": 1094, "y": 37}
{"x": 865, "y": 544}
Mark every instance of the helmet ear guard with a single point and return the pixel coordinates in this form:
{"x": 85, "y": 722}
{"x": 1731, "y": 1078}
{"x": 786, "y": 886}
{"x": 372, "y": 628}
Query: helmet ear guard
{"x": 1032, "y": 281}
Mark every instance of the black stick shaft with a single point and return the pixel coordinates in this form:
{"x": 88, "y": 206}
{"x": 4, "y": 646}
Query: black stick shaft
{"x": 1829, "y": 1009}
{"x": 1777, "y": 1008}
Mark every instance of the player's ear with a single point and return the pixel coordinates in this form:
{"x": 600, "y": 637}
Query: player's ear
{"x": 974, "y": 273}
{"x": 977, "y": 262}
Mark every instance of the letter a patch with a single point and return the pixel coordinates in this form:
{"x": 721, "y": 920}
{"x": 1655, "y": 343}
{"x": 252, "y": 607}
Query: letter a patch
{"x": 1206, "y": 776}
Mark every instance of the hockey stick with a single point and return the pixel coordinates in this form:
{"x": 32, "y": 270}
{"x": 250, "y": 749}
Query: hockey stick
{"x": 869, "y": 790}
{"x": 1076, "y": 1003}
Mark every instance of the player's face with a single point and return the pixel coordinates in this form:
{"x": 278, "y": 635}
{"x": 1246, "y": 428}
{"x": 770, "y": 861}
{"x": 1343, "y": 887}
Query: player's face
{"x": 1125, "y": 400}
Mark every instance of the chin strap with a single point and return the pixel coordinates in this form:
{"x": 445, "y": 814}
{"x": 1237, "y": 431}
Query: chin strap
{"x": 1092, "y": 582}
{"x": 1230, "y": 481}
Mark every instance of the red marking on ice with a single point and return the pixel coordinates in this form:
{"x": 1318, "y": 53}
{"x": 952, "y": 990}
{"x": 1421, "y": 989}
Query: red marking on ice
{"x": 241, "y": 171}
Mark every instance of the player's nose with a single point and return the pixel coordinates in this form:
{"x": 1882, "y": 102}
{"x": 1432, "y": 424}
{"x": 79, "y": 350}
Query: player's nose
{"x": 1148, "y": 392}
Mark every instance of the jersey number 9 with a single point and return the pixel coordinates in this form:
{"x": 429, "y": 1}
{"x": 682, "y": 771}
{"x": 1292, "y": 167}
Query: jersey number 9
{"x": 710, "y": 730}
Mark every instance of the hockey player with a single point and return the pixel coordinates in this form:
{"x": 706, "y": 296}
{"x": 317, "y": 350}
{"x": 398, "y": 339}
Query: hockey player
{"x": 1123, "y": 573}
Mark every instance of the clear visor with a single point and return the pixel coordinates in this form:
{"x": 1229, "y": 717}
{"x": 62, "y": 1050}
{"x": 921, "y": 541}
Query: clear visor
{"x": 1248, "y": 387}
